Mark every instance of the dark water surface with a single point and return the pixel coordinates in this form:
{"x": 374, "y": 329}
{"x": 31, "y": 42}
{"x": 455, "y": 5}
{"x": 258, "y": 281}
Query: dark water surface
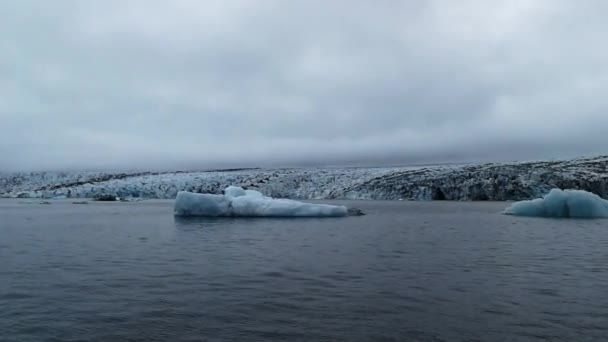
{"x": 408, "y": 271}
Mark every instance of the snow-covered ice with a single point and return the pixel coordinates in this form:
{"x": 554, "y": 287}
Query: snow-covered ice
{"x": 562, "y": 204}
{"x": 490, "y": 181}
{"x": 237, "y": 202}
{"x": 234, "y": 191}
{"x": 237, "y": 191}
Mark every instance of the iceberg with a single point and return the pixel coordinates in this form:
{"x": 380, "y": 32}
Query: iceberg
{"x": 237, "y": 202}
{"x": 562, "y": 204}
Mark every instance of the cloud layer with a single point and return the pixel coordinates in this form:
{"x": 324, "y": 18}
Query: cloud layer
{"x": 191, "y": 84}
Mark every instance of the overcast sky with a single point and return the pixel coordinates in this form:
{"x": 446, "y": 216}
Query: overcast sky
{"x": 197, "y": 84}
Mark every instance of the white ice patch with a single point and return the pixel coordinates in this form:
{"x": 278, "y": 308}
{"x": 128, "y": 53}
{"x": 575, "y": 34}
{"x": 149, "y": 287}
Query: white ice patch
{"x": 253, "y": 193}
{"x": 564, "y": 204}
{"x": 249, "y": 203}
{"x": 234, "y": 191}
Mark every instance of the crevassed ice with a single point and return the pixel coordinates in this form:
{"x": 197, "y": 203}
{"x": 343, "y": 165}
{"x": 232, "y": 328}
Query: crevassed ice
{"x": 562, "y": 204}
{"x": 249, "y": 203}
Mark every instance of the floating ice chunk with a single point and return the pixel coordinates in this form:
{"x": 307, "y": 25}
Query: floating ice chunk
{"x": 250, "y": 203}
{"x": 190, "y": 204}
{"x": 253, "y": 205}
{"x": 562, "y": 203}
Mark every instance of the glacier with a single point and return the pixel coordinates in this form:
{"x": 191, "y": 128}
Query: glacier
{"x": 237, "y": 202}
{"x": 562, "y": 204}
{"x": 468, "y": 182}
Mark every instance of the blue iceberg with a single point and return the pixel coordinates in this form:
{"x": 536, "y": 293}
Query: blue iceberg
{"x": 562, "y": 204}
{"x": 237, "y": 202}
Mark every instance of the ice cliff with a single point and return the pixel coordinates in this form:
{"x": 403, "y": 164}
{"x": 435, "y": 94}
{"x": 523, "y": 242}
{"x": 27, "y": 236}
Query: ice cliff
{"x": 492, "y": 181}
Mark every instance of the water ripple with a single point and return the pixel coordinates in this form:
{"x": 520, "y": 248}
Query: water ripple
{"x": 405, "y": 272}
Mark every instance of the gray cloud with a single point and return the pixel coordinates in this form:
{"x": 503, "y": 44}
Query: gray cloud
{"x": 190, "y": 84}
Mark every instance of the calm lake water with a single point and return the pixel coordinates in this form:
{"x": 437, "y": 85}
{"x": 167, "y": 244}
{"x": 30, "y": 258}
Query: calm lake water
{"x": 408, "y": 271}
